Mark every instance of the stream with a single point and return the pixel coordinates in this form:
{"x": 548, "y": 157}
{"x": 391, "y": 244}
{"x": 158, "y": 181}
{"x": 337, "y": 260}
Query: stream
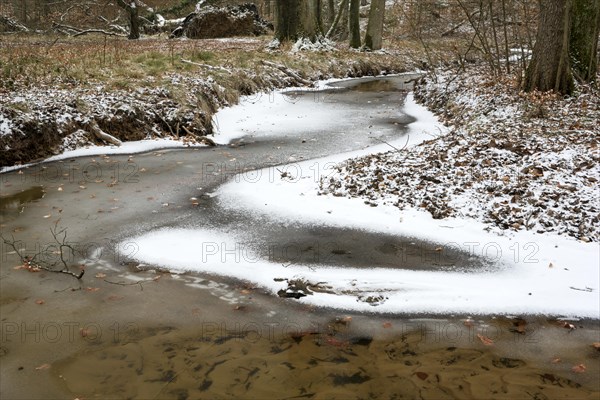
{"x": 130, "y": 330}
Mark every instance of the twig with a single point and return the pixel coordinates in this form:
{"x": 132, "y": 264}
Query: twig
{"x": 587, "y": 289}
{"x": 102, "y": 31}
{"x": 394, "y": 147}
{"x": 141, "y": 283}
{"x": 30, "y": 264}
{"x": 210, "y": 67}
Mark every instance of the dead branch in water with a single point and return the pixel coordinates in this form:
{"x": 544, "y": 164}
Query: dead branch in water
{"x": 31, "y": 264}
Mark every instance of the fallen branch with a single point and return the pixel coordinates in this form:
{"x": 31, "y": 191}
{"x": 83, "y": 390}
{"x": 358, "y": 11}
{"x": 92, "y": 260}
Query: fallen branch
{"x": 100, "y": 134}
{"x": 288, "y": 72}
{"x": 30, "y": 263}
{"x": 107, "y": 33}
{"x": 210, "y": 67}
{"x": 204, "y": 139}
{"x": 79, "y": 32}
{"x": 140, "y": 283}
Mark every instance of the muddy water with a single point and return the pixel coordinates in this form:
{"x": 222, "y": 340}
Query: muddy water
{"x": 127, "y": 331}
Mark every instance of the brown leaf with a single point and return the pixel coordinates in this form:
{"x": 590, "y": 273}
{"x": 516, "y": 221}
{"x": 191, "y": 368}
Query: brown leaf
{"x": 387, "y": 325}
{"x": 39, "y": 301}
{"x": 556, "y": 360}
{"x": 485, "y": 340}
{"x": 568, "y": 326}
{"x": 580, "y": 369}
{"x": 421, "y": 375}
{"x": 92, "y": 289}
{"x": 520, "y": 325}
{"x": 42, "y": 367}
{"x": 596, "y": 345}
{"x": 100, "y": 275}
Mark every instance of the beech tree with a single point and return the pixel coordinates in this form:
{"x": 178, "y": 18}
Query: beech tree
{"x": 583, "y": 45}
{"x": 354, "y": 23}
{"x": 132, "y": 8}
{"x": 295, "y": 19}
{"x": 373, "y": 37}
{"x": 566, "y": 41}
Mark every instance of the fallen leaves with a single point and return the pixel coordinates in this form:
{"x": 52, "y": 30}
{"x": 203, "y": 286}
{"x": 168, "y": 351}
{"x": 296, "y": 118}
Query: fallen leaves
{"x": 485, "y": 340}
{"x": 421, "y": 375}
{"x": 100, "y": 275}
{"x": 40, "y": 302}
{"x": 532, "y": 175}
{"x": 42, "y": 367}
{"x": 579, "y": 368}
{"x": 568, "y": 326}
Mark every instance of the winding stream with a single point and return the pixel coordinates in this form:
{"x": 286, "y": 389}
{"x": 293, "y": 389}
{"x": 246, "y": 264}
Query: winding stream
{"x": 131, "y": 331}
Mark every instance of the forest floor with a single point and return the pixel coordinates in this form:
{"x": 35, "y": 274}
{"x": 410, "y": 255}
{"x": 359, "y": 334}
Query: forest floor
{"x": 512, "y": 160}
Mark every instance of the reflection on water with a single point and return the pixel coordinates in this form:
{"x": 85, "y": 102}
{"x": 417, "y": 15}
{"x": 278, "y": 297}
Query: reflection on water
{"x": 17, "y": 201}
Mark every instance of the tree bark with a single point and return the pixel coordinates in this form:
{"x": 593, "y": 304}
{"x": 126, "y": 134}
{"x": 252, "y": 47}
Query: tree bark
{"x": 310, "y": 24}
{"x": 373, "y": 37}
{"x": 286, "y": 19}
{"x": 583, "y": 46}
{"x": 297, "y": 18}
{"x": 330, "y": 12}
{"x": 549, "y": 68}
{"x": 354, "y": 23}
{"x": 134, "y": 20}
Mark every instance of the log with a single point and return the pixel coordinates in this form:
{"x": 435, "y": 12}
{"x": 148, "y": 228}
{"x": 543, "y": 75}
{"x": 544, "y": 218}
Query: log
{"x": 100, "y": 134}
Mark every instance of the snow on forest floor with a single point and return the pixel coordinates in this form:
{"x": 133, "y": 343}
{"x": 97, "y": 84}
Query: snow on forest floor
{"x": 513, "y": 161}
{"x": 532, "y": 273}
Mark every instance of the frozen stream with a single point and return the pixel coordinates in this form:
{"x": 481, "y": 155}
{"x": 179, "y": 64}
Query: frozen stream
{"x": 240, "y": 223}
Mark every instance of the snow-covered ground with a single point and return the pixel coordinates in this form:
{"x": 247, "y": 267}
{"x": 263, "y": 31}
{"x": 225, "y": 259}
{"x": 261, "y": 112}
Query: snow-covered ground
{"x": 538, "y": 273}
{"x": 514, "y": 161}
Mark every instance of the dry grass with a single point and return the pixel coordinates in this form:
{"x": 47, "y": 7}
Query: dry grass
{"x": 63, "y": 62}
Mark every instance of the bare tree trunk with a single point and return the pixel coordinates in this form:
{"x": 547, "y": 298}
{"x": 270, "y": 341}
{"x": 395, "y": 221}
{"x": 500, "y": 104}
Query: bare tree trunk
{"x": 342, "y": 6}
{"x": 286, "y": 19}
{"x": 132, "y": 8}
{"x": 310, "y": 24}
{"x": 550, "y": 67}
{"x": 354, "y": 23}
{"x": 330, "y": 12}
{"x": 583, "y": 46}
{"x": 373, "y": 38}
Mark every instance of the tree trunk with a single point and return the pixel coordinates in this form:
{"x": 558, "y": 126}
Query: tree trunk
{"x": 583, "y": 46}
{"x": 297, "y": 18}
{"x": 373, "y": 38}
{"x": 286, "y": 20}
{"x": 549, "y": 68}
{"x": 330, "y": 12}
{"x": 131, "y": 6}
{"x": 354, "y": 23}
{"x": 310, "y": 24}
